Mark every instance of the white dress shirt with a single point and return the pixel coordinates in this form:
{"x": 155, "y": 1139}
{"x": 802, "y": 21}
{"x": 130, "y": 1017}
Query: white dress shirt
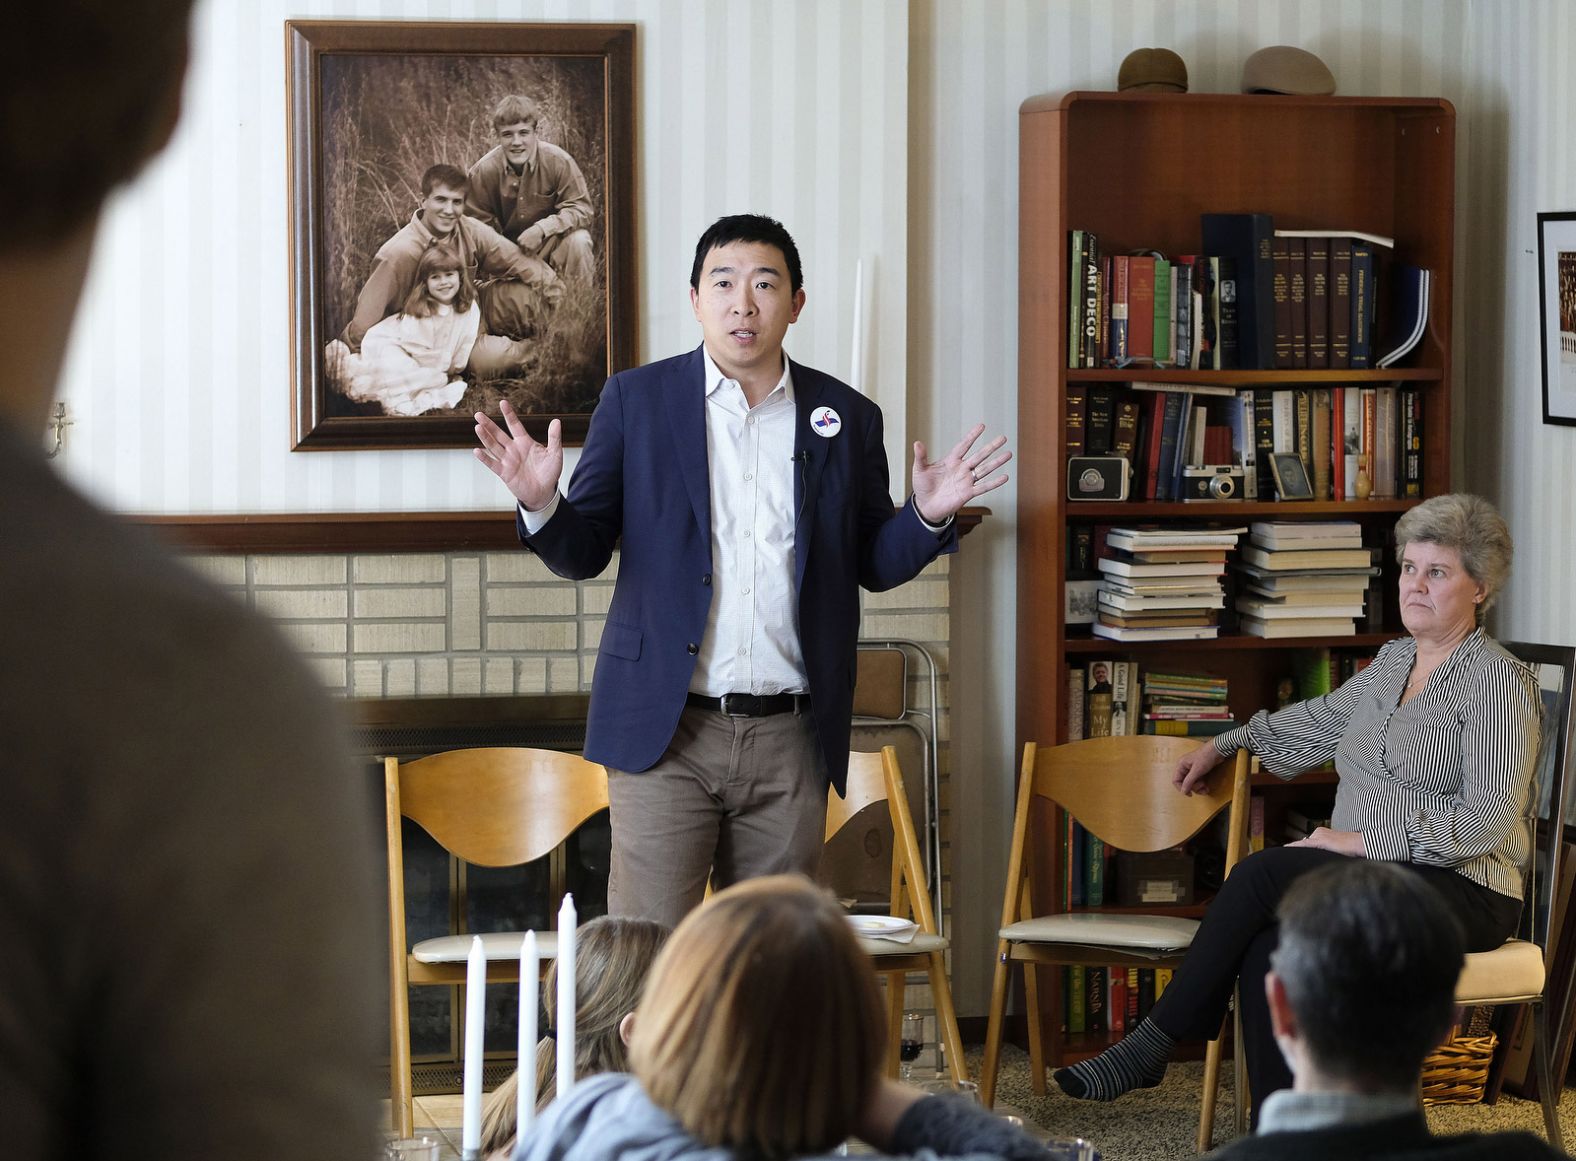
{"x": 751, "y": 643}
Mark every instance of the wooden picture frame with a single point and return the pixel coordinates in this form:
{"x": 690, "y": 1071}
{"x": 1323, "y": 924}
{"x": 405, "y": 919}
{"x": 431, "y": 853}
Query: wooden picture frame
{"x": 1557, "y": 315}
{"x": 373, "y": 106}
{"x": 1291, "y": 476}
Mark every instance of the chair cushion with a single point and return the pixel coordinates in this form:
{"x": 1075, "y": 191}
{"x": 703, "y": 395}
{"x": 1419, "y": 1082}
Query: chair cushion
{"x": 1155, "y": 933}
{"x": 498, "y": 945}
{"x": 1509, "y": 974}
{"x": 921, "y": 944}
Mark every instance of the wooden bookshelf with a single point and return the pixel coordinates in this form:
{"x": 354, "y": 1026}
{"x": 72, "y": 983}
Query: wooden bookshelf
{"x": 1138, "y": 170}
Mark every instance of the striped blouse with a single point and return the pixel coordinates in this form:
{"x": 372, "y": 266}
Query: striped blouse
{"x": 1441, "y": 781}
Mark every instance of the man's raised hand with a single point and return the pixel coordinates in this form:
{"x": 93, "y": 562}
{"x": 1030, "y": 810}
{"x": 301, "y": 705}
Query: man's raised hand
{"x": 943, "y": 486}
{"x": 530, "y": 470}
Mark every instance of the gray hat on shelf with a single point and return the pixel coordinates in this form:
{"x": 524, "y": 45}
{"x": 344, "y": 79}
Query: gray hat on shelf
{"x": 1158, "y": 69}
{"x": 1284, "y": 69}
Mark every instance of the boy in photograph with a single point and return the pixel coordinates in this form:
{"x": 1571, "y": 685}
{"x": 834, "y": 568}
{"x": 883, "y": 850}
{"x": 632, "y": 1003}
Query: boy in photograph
{"x": 532, "y": 191}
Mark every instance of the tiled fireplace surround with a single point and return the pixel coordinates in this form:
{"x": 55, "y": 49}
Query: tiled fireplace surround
{"x": 467, "y": 623}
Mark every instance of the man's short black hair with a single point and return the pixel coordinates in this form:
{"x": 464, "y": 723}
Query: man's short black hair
{"x": 449, "y": 176}
{"x": 748, "y": 228}
{"x": 1370, "y": 956}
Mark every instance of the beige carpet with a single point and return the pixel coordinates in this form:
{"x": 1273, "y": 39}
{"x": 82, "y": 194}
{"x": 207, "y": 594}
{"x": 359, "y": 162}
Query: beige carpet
{"x": 1154, "y": 1125}
{"x": 1162, "y": 1123}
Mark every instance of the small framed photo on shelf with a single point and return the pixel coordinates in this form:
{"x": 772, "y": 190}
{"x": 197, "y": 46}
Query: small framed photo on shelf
{"x": 1082, "y": 602}
{"x": 1557, "y": 309}
{"x": 1291, "y": 477}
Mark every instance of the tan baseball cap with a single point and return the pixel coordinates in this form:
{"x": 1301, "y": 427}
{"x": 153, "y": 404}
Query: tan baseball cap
{"x": 1284, "y": 69}
{"x": 1158, "y": 69}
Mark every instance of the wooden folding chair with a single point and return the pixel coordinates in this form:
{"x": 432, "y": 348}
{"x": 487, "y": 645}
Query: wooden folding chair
{"x": 495, "y": 807}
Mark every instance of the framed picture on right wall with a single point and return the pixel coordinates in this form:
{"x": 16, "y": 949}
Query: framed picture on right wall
{"x": 1557, "y": 310}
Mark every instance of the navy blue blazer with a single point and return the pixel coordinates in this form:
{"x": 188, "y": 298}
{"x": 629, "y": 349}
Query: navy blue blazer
{"x": 642, "y": 485}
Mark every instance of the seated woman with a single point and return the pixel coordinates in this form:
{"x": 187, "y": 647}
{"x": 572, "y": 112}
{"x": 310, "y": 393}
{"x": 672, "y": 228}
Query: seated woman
{"x": 1434, "y": 744}
{"x": 411, "y": 361}
{"x": 761, "y": 1035}
{"x": 612, "y": 958}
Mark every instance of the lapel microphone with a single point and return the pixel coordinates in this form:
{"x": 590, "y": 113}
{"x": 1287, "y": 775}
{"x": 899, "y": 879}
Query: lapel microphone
{"x": 802, "y": 459}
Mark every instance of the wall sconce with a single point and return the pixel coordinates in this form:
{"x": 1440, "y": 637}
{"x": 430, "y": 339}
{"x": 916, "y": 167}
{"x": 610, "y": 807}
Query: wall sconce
{"x": 58, "y": 424}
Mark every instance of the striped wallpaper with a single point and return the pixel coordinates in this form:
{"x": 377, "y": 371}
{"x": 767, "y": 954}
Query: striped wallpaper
{"x": 1519, "y": 107}
{"x": 178, "y": 379}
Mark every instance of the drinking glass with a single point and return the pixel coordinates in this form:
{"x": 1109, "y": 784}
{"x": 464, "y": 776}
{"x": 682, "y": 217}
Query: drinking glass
{"x": 968, "y": 1090}
{"x": 911, "y": 1042}
{"x": 411, "y": 1149}
{"x": 1072, "y": 1149}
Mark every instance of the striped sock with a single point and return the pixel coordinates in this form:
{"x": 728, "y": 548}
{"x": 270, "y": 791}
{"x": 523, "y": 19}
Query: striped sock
{"x": 1138, "y": 1060}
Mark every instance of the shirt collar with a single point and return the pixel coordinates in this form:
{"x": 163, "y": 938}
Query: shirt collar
{"x": 1289, "y": 1111}
{"x": 715, "y": 378}
{"x": 428, "y": 237}
{"x": 1463, "y": 654}
{"x": 526, "y": 166}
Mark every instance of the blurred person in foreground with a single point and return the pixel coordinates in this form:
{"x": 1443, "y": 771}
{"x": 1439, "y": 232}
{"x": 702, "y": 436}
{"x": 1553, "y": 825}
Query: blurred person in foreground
{"x": 761, "y": 1036}
{"x": 612, "y": 958}
{"x": 1360, "y": 991}
{"x": 1435, "y": 744}
{"x": 191, "y": 966}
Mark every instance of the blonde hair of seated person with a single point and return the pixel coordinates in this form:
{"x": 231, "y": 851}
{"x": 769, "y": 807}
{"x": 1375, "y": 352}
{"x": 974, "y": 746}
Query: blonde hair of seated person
{"x": 612, "y": 958}
{"x": 762, "y": 1030}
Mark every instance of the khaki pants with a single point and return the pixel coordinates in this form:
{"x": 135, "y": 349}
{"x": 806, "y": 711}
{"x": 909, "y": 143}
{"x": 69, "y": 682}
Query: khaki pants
{"x": 734, "y": 798}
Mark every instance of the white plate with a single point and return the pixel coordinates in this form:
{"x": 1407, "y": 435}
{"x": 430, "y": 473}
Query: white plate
{"x": 878, "y": 925}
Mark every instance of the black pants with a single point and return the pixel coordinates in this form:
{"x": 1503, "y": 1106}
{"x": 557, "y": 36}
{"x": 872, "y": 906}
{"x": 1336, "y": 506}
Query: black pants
{"x": 1239, "y": 931}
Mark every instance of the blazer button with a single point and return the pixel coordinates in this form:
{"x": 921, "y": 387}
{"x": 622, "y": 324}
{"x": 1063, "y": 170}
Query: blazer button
{"x": 692, "y": 648}
{"x": 706, "y": 580}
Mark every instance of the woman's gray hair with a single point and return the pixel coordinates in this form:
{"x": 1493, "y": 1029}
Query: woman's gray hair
{"x": 1470, "y": 525}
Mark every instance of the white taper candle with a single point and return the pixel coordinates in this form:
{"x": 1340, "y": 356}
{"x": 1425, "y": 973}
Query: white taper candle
{"x": 565, "y": 1031}
{"x": 856, "y": 355}
{"x": 525, "y": 1066}
{"x": 475, "y": 1008}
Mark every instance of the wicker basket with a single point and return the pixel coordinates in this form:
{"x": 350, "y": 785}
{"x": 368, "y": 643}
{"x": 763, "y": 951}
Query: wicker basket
{"x": 1456, "y": 1071}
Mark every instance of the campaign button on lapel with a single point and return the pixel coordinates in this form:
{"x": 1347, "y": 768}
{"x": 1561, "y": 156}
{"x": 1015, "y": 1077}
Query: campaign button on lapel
{"x": 825, "y": 422}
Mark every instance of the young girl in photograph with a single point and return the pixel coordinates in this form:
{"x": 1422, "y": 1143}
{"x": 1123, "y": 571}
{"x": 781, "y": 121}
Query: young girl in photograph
{"x": 411, "y": 361}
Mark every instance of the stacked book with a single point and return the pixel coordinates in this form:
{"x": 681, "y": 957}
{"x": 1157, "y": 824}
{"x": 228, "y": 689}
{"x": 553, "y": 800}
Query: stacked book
{"x": 1185, "y": 704}
{"x": 1303, "y": 579}
{"x": 1163, "y": 584}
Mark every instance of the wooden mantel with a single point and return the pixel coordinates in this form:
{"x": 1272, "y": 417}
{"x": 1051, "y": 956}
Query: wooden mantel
{"x": 492, "y": 530}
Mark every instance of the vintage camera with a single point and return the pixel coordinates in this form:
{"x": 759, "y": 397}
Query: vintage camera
{"x": 1097, "y": 477}
{"x": 1212, "y": 482}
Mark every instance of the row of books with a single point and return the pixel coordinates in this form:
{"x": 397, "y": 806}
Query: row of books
{"x": 1109, "y": 999}
{"x": 1253, "y": 298}
{"x": 1353, "y": 443}
{"x": 1103, "y": 695}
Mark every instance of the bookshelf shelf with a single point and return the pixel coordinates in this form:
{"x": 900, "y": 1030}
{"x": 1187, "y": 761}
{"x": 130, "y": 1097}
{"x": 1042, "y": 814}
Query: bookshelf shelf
{"x": 1250, "y": 378}
{"x": 1231, "y": 511}
{"x": 1127, "y": 167}
{"x": 1231, "y": 642}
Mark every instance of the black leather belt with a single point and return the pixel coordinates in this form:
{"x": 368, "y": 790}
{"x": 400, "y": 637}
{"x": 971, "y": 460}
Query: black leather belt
{"x": 749, "y": 705}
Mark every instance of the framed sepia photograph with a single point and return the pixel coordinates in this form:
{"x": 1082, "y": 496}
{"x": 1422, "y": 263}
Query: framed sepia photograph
{"x": 1557, "y": 310}
{"x": 461, "y": 226}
